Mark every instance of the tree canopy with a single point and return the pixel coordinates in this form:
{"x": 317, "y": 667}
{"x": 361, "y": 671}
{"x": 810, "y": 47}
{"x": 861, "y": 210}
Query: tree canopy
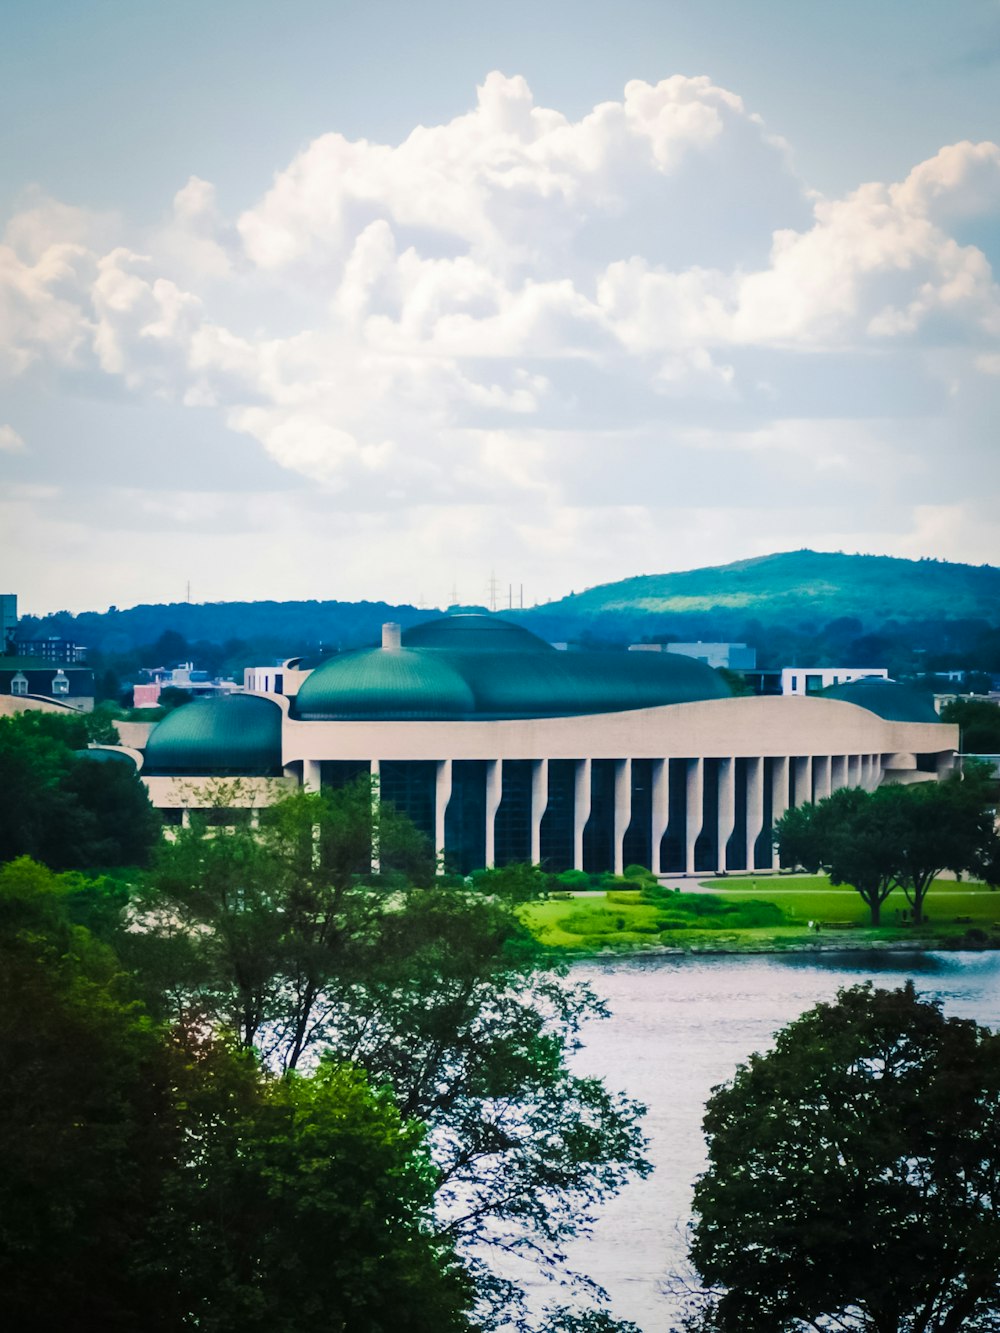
{"x": 64, "y": 808}
{"x": 894, "y": 837}
{"x": 288, "y": 937}
{"x": 160, "y": 1179}
{"x": 854, "y": 1176}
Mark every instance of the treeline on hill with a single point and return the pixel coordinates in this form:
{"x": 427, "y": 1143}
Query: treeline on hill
{"x": 801, "y": 607}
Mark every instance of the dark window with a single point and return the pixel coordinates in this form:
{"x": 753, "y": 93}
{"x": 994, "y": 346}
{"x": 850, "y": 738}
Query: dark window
{"x": 513, "y": 821}
{"x": 410, "y": 785}
{"x": 557, "y": 822}
{"x": 638, "y": 839}
{"x": 598, "y": 836}
{"x": 465, "y": 818}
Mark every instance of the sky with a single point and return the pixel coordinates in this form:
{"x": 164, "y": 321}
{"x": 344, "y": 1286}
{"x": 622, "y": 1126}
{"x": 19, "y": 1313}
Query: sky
{"x": 329, "y": 300}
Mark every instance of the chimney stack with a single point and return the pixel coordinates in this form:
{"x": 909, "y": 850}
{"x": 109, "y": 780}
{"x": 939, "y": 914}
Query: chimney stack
{"x": 392, "y": 635}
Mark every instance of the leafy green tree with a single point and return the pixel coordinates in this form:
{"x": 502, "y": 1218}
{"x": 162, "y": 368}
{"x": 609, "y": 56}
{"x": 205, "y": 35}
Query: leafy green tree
{"x": 894, "y": 837}
{"x": 979, "y": 723}
{"x": 947, "y": 826}
{"x": 166, "y": 1182}
{"x": 854, "y": 1176}
{"x": 66, "y": 809}
{"x": 286, "y": 935}
{"x": 850, "y": 839}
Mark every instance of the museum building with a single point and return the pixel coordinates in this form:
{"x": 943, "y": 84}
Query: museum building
{"x": 503, "y": 749}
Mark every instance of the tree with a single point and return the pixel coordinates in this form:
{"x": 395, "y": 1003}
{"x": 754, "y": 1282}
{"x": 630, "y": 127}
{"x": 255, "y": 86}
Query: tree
{"x": 854, "y": 1176}
{"x": 947, "y": 826}
{"x": 894, "y": 837}
{"x": 848, "y": 838}
{"x": 65, "y": 808}
{"x": 979, "y": 722}
{"x": 165, "y": 1181}
{"x": 286, "y": 936}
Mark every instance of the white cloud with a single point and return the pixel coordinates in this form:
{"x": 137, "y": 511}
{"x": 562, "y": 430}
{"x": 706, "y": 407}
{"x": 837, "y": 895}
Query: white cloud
{"x": 10, "y": 441}
{"x": 581, "y": 322}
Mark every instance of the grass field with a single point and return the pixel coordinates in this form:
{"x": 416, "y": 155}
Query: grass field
{"x": 767, "y": 913}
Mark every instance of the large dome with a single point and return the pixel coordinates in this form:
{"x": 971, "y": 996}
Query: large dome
{"x": 234, "y": 734}
{"x": 478, "y": 668}
{"x": 384, "y": 683}
{"x": 471, "y": 633}
{"x": 886, "y": 699}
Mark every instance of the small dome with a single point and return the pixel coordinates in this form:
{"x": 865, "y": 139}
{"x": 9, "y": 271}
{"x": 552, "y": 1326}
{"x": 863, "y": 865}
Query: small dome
{"x": 387, "y": 683}
{"x": 103, "y": 755}
{"x": 236, "y": 734}
{"x": 473, "y": 633}
{"x": 886, "y": 699}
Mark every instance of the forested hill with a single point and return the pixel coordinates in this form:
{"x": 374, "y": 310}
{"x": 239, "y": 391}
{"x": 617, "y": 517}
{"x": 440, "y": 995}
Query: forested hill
{"x": 796, "y": 590}
{"x": 804, "y": 602}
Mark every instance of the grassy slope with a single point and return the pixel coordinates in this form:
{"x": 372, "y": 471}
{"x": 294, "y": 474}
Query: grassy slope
{"x": 791, "y": 584}
{"x": 801, "y": 899}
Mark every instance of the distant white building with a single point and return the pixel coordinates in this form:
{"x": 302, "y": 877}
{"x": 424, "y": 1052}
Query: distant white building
{"x": 812, "y": 680}
{"x": 734, "y": 656}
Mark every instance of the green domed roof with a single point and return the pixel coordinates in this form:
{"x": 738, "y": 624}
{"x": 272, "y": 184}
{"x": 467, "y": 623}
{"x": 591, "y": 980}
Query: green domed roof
{"x": 477, "y": 667}
{"x": 234, "y": 734}
{"x": 385, "y": 683}
{"x": 885, "y": 698}
{"x": 100, "y": 755}
{"x": 471, "y": 633}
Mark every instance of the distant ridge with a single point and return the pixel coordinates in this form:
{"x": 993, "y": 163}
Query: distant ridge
{"x": 797, "y": 589}
{"x": 796, "y": 592}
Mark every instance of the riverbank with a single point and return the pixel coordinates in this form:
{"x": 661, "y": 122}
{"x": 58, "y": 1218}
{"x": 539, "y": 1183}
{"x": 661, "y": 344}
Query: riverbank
{"x": 793, "y": 914}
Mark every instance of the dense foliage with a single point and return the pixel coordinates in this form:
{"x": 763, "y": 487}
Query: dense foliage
{"x": 286, "y": 937}
{"x": 63, "y": 808}
{"x": 979, "y": 722}
{"x": 854, "y": 1176}
{"x": 156, "y": 1178}
{"x": 895, "y": 837}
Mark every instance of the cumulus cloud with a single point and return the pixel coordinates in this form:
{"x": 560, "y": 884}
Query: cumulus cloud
{"x": 10, "y": 441}
{"x": 591, "y": 316}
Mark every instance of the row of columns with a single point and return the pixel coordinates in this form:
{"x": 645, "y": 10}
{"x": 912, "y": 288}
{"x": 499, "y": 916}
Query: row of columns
{"x": 811, "y": 777}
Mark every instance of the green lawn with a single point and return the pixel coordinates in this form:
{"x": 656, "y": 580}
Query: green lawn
{"x": 746, "y": 914}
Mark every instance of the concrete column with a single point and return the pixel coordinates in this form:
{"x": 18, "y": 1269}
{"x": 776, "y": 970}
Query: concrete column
{"x": 255, "y": 818}
{"x": 853, "y": 770}
{"x": 660, "y": 801}
{"x": 838, "y": 771}
{"x": 311, "y": 774}
{"x": 803, "y": 779}
{"x": 623, "y": 809}
{"x": 442, "y": 795}
{"x": 539, "y": 804}
{"x": 755, "y": 806}
{"x": 185, "y": 817}
{"x": 494, "y": 793}
{"x": 779, "y": 799}
{"x": 695, "y": 809}
{"x": 821, "y": 777}
{"x": 581, "y": 809}
{"x": 727, "y": 808}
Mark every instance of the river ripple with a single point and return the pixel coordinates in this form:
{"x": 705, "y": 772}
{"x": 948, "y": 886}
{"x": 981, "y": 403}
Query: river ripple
{"x": 680, "y": 1026}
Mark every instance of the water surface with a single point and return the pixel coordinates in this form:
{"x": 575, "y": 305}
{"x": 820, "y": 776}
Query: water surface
{"x": 680, "y": 1026}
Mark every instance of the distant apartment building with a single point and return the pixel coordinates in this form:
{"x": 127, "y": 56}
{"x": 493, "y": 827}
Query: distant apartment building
{"x": 49, "y": 648}
{"x": 813, "y": 680}
{"x": 733, "y": 656}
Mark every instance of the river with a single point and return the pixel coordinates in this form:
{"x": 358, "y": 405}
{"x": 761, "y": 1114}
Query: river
{"x": 680, "y": 1026}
